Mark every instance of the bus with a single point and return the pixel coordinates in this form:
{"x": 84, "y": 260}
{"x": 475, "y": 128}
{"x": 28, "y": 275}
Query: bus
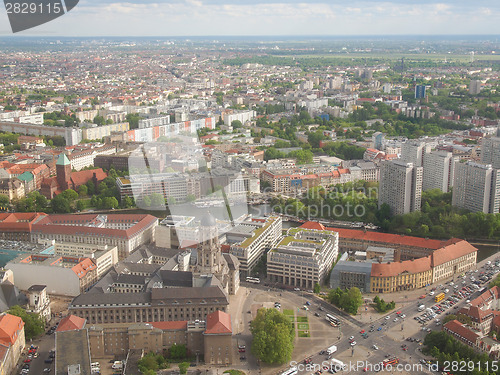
{"x": 439, "y": 297}
{"x": 337, "y": 365}
{"x": 333, "y": 320}
{"x": 290, "y": 371}
{"x": 390, "y": 362}
{"x": 253, "y": 280}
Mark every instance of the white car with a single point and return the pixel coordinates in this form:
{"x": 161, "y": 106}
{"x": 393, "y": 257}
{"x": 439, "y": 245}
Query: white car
{"x": 353, "y": 343}
{"x": 431, "y": 293}
{"x": 387, "y": 317}
{"x": 375, "y": 347}
{"x": 396, "y": 319}
{"x": 296, "y": 289}
{"x": 351, "y": 338}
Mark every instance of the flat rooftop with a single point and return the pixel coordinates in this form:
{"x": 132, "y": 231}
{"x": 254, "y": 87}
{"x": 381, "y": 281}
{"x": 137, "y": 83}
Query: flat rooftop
{"x": 72, "y": 352}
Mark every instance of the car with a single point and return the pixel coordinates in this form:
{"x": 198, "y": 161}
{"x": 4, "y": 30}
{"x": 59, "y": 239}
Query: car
{"x": 402, "y": 316}
{"x": 372, "y": 329}
{"x": 395, "y": 319}
{"x": 243, "y": 358}
{"x": 321, "y": 309}
{"x": 296, "y": 289}
{"x": 316, "y": 314}
{"x": 422, "y": 296}
{"x": 387, "y": 317}
{"x": 308, "y": 303}
{"x": 431, "y": 293}
{"x": 27, "y": 360}
{"x": 322, "y": 352}
{"x": 47, "y": 369}
{"x": 241, "y": 350}
{"x": 49, "y": 360}
{"x": 241, "y": 347}
{"x": 351, "y": 338}
{"x": 362, "y": 331}
{"x": 353, "y": 343}
{"x": 375, "y": 347}
{"x": 379, "y": 329}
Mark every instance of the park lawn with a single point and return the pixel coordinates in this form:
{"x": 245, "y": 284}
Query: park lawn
{"x": 304, "y": 334}
{"x": 288, "y": 312}
{"x": 302, "y": 319}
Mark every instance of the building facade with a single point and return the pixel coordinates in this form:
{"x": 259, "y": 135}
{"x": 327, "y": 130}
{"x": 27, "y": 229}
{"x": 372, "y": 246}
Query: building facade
{"x": 303, "y": 257}
{"x": 400, "y": 187}
{"x": 438, "y": 171}
{"x": 476, "y": 187}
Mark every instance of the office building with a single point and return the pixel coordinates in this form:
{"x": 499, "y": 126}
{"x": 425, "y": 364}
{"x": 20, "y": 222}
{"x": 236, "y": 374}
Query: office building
{"x": 249, "y": 239}
{"x": 438, "y": 171}
{"x": 126, "y": 232}
{"x": 476, "y": 187}
{"x": 400, "y": 187}
{"x": 490, "y": 151}
{"x": 303, "y": 258}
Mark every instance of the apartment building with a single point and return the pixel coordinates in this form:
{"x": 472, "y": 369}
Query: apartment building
{"x": 12, "y": 342}
{"x": 414, "y": 151}
{"x": 400, "y": 187}
{"x": 438, "y": 171}
{"x": 490, "y": 151}
{"x": 250, "y": 239}
{"x": 302, "y": 258}
{"x": 476, "y": 187}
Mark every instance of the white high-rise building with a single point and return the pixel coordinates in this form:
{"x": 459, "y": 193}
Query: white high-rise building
{"x": 490, "y": 151}
{"x": 414, "y": 151}
{"x": 475, "y": 87}
{"x": 438, "y": 171}
{"x": 400, "y": 187}
{"x": 476, "y": 187}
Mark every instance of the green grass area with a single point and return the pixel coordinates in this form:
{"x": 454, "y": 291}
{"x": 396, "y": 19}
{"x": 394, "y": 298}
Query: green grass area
{"x": 302, "y": 319}
{"x": 234, "y": 372}
{"x": 303, "y": 326}
{"x": 288, "y": 312}
{"x": 304, "y": 334}
{"x": 290, "y": 318}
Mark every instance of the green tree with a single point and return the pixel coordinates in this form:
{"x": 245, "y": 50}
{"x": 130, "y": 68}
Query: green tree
{"x": 317, "y": 288}
{"x": 33, "y": 324}
{"x": 60, "y": 204}
{"x": 157, "y": 200}
{"x": 178, "y": 351}
{"x": 4, "y": 200}
{"x": 147, "y": 201}
{"x": 70, "y": 195}
{"x": 272, "y": 336}
{"x": 236, "y": 124}
{"x": 109, "y": 203}
{"x": 83, "y": 190}
{"x": 183, "y": 367}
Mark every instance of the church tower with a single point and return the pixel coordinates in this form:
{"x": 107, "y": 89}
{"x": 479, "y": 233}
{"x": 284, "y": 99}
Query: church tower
{"x": 210, "y": 259}
{"x": 63, "y": 171}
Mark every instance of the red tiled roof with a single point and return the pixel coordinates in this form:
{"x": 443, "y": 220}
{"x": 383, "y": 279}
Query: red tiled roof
{"x": 71, "y": 323}
{"x": 313, "y": 225}
{"x": 170, "y": 326}
{"x": 486, "y": 296}
{"x": 218, "y": 323}
{"x": 394, "y": 239}
{"x": 450, "y": 252}
{"x": 461, "y": 330}
{"x": 397, "y": 268}
{"x": 10, "y": 326}
{"x": 19, "y": 222}
{"x": 82, "y": 177}
{"x": 84, "y": 267}
{"x": 58, "y": 224}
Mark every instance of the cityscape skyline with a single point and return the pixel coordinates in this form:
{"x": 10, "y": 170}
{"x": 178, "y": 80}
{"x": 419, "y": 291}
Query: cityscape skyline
{"x": 196, "y": 18}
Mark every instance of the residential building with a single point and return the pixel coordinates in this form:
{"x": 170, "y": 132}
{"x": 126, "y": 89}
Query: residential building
{"x": 414, "y": 151}
{"x": 12, "y": 342}
{"x": 475, "y": 86}
{"x": 85, "y": 158}
{"x": 12, "y": 188}
{"x": 490, "y": 151}
{"x": 476, "y": 187}
{"x": 126, "y": 232}
{"x": 39, "y": 301}
{"x": 79, "y": 274}
{"x": 94, "y": 132}
{"x": 250, "y": 239}
{"x": 400, "y": 187}
{"x": 303, "y": 257}
{"x": 438, "y": 171}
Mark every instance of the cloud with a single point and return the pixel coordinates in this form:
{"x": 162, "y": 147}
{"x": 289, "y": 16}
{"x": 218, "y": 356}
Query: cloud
{"x": 277, "y": 17}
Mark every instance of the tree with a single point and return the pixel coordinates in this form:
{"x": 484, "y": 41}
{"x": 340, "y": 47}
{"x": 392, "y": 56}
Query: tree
{"x": 272, "y": 336}
{"x": 317, "y": 288}
{"x": 109, "y": 203}
{"x": 178, "y": 351}
{"x": 236, "y": 124}
{"x": 33, "y": 324}
{"x": 60, "y": 204}
{"x": 157, "y": 200}
{"x": 4, "y": 200}
{"x": 83, "y": 190}
{"x": 183, "y": 367}
{"x": 70, "y": 195}
{"x": 147, "y": 201}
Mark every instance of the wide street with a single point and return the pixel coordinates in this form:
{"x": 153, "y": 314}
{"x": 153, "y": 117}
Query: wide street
{"x": 385, "y": 333}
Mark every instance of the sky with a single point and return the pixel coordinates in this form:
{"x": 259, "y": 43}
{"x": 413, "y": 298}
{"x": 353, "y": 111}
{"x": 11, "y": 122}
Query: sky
{"x": 272, "y": 17}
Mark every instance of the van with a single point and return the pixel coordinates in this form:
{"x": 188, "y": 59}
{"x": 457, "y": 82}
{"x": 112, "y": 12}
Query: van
{"x": 421, "y": 308}
{"x": 117, "y": 365}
